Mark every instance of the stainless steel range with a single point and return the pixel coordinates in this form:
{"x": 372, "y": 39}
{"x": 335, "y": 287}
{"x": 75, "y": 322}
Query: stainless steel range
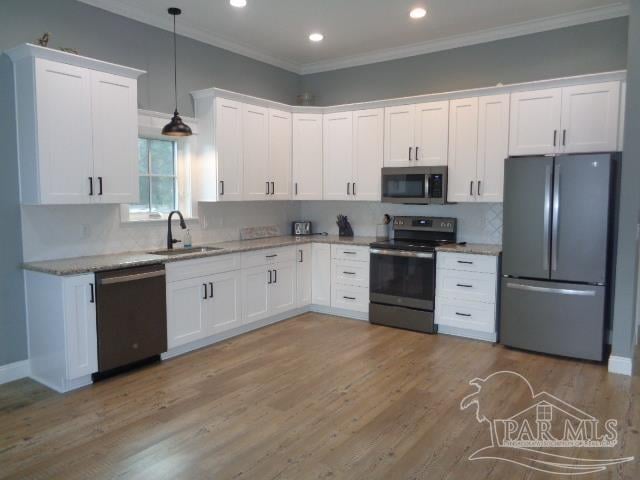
{"x": 403, "y": 273}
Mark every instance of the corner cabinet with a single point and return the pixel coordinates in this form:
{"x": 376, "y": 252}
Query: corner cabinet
{"x": 77, "y": 128}
{"x": 575, "y": 119}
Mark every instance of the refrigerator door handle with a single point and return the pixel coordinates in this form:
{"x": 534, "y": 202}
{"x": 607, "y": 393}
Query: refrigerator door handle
{"x": 559, "y": 291}
{"x": 547, "y": 218}
{"x": 556, "y": 215}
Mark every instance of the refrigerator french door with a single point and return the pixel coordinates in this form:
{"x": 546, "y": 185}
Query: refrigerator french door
{"x": 558, "y": 216}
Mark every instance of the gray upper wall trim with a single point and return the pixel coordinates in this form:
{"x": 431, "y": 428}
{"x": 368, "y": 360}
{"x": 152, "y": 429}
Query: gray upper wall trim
{"x": 28, "y": 50}
{"x": 618, "y": 75}
{"x": 124, "y": 8}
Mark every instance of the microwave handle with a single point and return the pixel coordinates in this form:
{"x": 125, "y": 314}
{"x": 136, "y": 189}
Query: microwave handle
{"x": 427, "y": 181}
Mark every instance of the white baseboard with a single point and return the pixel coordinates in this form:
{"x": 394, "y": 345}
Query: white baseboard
{"x": 339, "y": 312}
{"x": 14, "y": 371}
{"x": 620, "y": 365}
{"x": 466, "y": 333}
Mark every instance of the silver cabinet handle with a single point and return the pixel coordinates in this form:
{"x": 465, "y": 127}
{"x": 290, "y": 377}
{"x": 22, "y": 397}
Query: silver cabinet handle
{"x": 132, "y": 278}
{"x": 400, "y": 253}
{"x": 559, "y": 291}
{"x": 546, "y": 218}
{"x": 295, "y": 187}
{"x": 348, "y": 188}
{"x": 564, "y": 137}
{"x": 301, "y": 256}
{"x": 556, "y": 215}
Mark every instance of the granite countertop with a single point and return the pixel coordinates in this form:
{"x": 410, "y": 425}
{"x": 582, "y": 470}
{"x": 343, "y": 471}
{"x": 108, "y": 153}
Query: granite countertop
{"x": 473, "y": 248}
{"x": 80, "y": 265}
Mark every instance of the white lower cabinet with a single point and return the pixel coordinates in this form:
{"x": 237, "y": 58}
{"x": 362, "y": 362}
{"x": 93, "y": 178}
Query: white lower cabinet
{"x": 61, "y": 316}
{"x": 466, "y": 294}
{"x": 304, "y": 275}
{"x": 186, "y": 311}
{"x": 282, "y": 290}
{"x": 321, "y": 274}
{"x": 224, "y": 307}
{"x": 350, "y": 278}
{"x": 255, "y": 293}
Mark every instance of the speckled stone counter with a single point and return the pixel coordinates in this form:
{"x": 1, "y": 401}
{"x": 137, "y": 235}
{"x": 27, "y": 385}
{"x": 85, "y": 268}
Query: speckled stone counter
{"x": 80, "y": 265}
{"x": 473, "y": 248}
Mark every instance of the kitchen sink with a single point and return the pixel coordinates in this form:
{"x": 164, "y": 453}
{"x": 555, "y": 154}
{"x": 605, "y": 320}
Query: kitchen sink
{"x": 185, "y": 251}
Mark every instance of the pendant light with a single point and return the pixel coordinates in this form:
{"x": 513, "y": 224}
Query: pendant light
{"x": 176, "y": 127}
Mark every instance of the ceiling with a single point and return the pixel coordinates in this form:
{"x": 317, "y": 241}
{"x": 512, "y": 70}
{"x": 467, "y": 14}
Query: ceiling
{"x": 358, "y": 32}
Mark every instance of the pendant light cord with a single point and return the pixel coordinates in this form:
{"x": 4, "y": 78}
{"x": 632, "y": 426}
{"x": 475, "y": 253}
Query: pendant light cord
{"x": 175, "y": 65}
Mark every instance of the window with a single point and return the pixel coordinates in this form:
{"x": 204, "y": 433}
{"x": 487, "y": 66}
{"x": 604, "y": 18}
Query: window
{"x": 544, "y": 412}
{"x": 158, "y": 177}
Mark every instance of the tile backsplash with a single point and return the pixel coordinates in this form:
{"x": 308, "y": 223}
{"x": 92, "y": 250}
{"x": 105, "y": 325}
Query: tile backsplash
{"x": 50, "y": 232}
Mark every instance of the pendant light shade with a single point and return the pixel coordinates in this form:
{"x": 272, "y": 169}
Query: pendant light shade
{"x": 176, "y": 127}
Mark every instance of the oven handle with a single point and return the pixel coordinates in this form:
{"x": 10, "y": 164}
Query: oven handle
{"x": 400, "y": 253}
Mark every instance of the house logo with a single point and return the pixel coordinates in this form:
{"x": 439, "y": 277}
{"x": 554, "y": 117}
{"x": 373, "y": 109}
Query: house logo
{"x": 549, "y": 435}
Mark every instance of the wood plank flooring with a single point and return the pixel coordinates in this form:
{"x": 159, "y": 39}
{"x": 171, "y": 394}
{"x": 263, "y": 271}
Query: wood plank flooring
{"x": 315, "y": 397}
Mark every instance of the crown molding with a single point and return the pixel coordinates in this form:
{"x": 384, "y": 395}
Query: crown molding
{"x": 124, "y": 8}
{"x": 484, "y": 36}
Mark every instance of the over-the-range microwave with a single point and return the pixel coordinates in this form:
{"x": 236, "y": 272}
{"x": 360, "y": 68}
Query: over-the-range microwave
{"x": 414, "y": 185}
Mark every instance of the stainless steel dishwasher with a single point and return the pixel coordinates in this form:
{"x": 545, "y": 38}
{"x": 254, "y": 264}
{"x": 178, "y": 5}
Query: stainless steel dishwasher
{"x": 131, "y": 317}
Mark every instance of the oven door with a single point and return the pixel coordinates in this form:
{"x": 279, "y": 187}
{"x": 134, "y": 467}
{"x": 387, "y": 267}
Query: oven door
{"x": 402, "y": 278}
{"x": 405, "y": 185}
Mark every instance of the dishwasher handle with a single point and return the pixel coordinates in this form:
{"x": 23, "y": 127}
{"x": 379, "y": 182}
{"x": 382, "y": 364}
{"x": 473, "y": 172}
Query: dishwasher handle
{"x": 132, "y": 278}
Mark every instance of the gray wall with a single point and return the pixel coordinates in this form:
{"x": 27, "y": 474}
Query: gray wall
{"x": 590, "y": 48}
{"x": 100, "y": 34}
{"x": 626, "y": 273}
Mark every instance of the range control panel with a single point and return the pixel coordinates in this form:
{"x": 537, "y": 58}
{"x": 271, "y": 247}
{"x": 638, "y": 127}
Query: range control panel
{"x": 427, "y": 224}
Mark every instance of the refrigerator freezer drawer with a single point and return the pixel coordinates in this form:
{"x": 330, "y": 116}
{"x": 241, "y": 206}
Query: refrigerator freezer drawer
{"x": 557, "y": 318}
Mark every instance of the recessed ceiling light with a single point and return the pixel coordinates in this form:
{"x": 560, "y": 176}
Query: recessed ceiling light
{"x": 316, "y": 37}
{"x": 238, "y": 3}
{"x": 417, "y": 13}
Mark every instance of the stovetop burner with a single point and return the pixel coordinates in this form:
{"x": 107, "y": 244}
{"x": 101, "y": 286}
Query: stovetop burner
{"x": 411, "y": 245}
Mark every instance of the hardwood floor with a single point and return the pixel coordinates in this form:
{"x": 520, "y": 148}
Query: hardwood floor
{"x": 312, "y": 397}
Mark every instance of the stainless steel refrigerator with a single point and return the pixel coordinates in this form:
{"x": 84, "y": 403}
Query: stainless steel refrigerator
{"x": 558, "y": 241}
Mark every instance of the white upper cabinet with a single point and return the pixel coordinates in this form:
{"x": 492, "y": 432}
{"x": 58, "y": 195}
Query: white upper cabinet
{"x": 255, "y": 150}
{"x": 115, "y": 137}
{"x": 432, "y": 134}
{"x": 590, "y": 116}
{"x": 417, "y": 135}
{"x": 307, "y": 156}
{"x": 399, "y": 145}
{"x": 535, "y": 122}
{"x": 368, "y": 148}
{"x": 280, "y": 154}
{"x": 228, "y": 146}
{"x": 493, "y": 147}
{"x": 463, "y": 149}
{"x": 581, "y": 118}
{"x": 338, "y": 155}
{"x": 77, "y": 128}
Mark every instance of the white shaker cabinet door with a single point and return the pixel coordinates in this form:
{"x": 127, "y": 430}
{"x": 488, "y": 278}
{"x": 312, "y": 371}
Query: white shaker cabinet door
{"x": 368, "y": 151}
{"x": 432, "y": 134}
{"x": 280, "y": 155}
{"x": 590, "y": 115}
{"x": 399, "y": 144}
{"x": 321, "y": 271}
{"x": 65, "y": 147}
{"x": 493, "y": 147}
{"x": 114, "y": 108}
{"x": 282, "y": 290}
{"x": 80, "y": 326}
{"x": 303, "y": 275}
{"x": 463, "y": 150}
{"x": 228, "y": 146}
{"x": 186, "y": 314}
{"x": 223, "y": 307}
{"x": 255, "y": 151}
{"x": 338, "y": 156}
{"x": 307, "y": 156}
{"x": 255, "y": 293}
{"x": 535, "y": 122}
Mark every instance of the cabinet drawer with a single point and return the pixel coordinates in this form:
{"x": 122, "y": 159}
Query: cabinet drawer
{"x": 470, "y": 315}
{"x": 350, "y": 298}
{"x": 200, "y": 267}
{"x": 350, "y": 273}
{"x": 346, "y": 252}
{"x": 479, "y": 287}
{"x": 467, "y": 262}
{"x": 268, "y": 256}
